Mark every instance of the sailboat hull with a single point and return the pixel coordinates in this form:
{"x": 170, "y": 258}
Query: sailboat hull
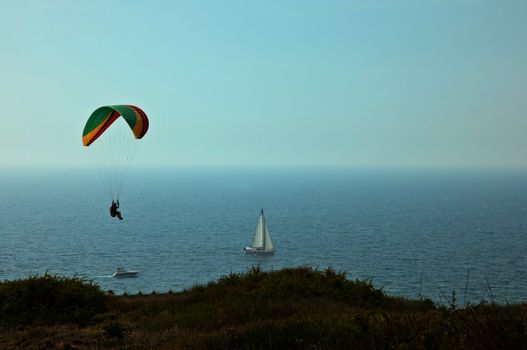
{"x": 256, "y": 251}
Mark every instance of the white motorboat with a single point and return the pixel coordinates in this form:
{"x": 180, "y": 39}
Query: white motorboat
{"x": 121, "y": 272}
{"x": 261, "y": 243}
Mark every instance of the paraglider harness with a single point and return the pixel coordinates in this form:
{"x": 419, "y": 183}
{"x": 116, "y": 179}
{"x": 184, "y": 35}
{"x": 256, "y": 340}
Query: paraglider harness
{"x": 113, "y": 210}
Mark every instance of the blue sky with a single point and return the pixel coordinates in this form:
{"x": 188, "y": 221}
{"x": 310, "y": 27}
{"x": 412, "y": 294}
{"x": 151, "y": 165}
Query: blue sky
{"x": 270, "y": 83}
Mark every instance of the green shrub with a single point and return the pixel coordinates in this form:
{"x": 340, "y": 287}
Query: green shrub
{"x": 50, "y": 299}
{"x": 114, "y": 329}
{"x": 290, "y": 284}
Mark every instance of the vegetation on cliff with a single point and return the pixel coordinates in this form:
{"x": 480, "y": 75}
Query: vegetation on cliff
{"x": 293, "y": 308}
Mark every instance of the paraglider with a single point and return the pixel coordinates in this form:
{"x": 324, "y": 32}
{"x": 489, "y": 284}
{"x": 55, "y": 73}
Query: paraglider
{"x": 114, "y": 212}
{"x": 115, "y": 145}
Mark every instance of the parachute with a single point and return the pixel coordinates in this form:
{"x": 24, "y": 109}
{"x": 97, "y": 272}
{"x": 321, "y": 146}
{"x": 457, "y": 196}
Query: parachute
{"x": 109, "y": 138}
{"x": 103, "y": 117}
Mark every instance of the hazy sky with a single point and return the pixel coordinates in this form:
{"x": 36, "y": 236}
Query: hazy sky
{"x": 272, "y": 83}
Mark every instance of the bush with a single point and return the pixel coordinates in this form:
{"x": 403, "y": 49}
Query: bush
{"x": 50, "y": 299}
{"x": 114, "y": 329}
{"x": 290, "y": 284}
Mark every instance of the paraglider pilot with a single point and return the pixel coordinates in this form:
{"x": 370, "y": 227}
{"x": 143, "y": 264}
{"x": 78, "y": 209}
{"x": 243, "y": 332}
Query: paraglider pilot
{"x": 113, "y": 210}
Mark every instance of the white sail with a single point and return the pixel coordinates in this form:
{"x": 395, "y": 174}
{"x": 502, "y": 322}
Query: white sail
{"x": 258, "y": 238}
{"x": 268, "y": 244}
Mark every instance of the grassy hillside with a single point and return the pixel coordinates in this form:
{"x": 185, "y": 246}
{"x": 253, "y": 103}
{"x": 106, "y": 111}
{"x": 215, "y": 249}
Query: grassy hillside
{"x": 298, "y": 308}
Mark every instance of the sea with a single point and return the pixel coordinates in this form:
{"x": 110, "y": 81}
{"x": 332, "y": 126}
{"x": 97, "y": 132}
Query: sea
{"x": 445, "y": 234}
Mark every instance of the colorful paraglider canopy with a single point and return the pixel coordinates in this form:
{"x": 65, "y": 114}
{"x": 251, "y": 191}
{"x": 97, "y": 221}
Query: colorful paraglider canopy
{"x": 104, "y": 116}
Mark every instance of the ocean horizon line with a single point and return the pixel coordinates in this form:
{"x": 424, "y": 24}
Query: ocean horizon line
{"x": 274, "y": 168}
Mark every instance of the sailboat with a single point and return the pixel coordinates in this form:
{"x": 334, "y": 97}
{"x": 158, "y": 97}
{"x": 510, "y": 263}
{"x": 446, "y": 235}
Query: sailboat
{"x": 261, "y": 243}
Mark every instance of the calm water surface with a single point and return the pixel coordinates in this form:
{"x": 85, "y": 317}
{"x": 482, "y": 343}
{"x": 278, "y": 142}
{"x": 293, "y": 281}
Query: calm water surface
{"x": 413, "y": 233}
